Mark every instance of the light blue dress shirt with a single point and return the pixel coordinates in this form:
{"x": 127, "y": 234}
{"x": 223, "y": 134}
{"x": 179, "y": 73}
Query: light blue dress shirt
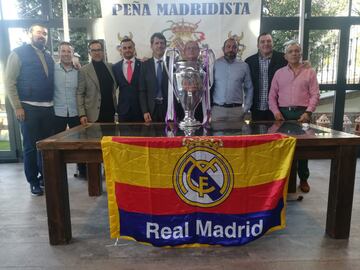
{"x": 232, "y": 83}
{"x": 66, "y": 82}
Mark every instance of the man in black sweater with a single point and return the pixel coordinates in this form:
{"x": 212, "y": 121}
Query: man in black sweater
{"x": 263, "y": 66}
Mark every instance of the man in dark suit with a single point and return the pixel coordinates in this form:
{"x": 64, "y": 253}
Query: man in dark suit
{"x": 263, "y": 66}
{"x": 154, "y": 82}
{"x": 127, "y": 76}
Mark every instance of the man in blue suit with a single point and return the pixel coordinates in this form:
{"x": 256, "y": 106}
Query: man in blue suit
{"x": 127, "y": 75}
{"x": 154, "y": 82}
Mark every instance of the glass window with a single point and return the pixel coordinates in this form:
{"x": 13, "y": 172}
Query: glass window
{"x": 22, "y": 9}
{"x": 329, "y": 8}
{"x": 324, "y": 110}
{"x": 78, "y": 9}
{"x": 4, "y": 131}
{"x": 353, "y": 68}
{"x": 282, "y": 36}
{"x": 324, "y": 54}
{"x": 355, "y": 8}
{"x": 18, "y": 36}
{"x": 78, "y": 39}
{"x": 352, "y": 111}
{"x": 284, "y": 8}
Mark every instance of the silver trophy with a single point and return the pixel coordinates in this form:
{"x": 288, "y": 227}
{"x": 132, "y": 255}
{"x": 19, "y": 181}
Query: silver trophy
{"x": 190, "y": 81}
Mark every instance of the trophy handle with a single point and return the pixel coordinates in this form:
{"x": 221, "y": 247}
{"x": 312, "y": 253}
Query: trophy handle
{"x": 173, "y": 54}
{"x": 208, "y": 60}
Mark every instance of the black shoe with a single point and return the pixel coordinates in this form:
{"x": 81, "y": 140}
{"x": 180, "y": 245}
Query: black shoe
{"x": 41, "y": 183}
{"x": 36, "y": 190}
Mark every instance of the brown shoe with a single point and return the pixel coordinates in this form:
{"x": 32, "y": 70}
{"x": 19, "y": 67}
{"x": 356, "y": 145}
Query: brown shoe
{"x": 304, "y": 186}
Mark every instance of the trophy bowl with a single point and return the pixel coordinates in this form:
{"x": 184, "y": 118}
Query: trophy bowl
{"x": 188, "y": 89}
{"x": 189, "y": 80}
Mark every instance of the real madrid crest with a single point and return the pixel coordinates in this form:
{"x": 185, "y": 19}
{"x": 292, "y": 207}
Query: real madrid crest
{"x": 202, "y": 176}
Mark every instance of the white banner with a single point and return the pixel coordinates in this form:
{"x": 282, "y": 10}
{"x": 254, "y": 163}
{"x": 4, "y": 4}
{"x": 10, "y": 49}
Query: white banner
{"x": 209, "y": 22}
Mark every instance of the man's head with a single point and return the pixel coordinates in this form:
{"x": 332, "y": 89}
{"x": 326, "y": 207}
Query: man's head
{"x": 38, "y": 35}
{"x": 191, "y": 50}
{"x": 66, "y": 53}
{"x": 230, "y": 49}
{"x": 158, "y": 44}
{"x": 265, "y": 44}
{"x": 292, "y": 52}
{"x": 127, "y": 48}
{"x": 96, "y": 50}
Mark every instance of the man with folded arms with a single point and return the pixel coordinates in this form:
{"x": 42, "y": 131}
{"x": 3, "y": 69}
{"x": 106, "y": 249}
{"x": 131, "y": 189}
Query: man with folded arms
{"x": 294, "y": 95}
{"x": 232, "y": 90}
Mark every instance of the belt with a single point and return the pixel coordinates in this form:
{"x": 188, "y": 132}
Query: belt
{"x": 158, "y": 101}
{"x": 293, "y": 108}
{"x": 227, "y": 105}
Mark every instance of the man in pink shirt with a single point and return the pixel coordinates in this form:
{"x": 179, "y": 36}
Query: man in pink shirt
{"x": 294, "y": 95}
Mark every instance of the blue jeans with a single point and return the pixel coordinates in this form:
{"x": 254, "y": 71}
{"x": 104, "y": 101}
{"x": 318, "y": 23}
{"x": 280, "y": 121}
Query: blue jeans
{"x": 38, "y": 125}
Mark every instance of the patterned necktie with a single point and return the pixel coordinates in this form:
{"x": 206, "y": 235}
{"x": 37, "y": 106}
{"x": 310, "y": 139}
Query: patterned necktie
{"x": 129, "y": 71}
{"x": 159, "y": 78}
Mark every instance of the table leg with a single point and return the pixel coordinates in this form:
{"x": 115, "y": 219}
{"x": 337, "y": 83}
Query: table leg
{"x": 94, "y": 179}
{"x": 57, "y": 198}
{"x": 292, "y": 178}
{"x": 341, "y": 191}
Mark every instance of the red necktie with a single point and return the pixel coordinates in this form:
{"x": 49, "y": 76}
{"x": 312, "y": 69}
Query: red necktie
{"x": 129, "y": 71}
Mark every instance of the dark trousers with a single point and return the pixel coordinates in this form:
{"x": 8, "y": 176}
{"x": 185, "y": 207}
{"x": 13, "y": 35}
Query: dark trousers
{"x": 302, "y": 165}
{"x": 131, "y": 117}
{"x": 257, "y": 115}
{"x": 61, "y": 123}
{"x": 38, "y": 125}
{"x": 159, "y": 112}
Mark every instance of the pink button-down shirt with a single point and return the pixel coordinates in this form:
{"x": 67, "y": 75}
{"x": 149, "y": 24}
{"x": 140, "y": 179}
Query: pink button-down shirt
{"x": 288, "y": 90}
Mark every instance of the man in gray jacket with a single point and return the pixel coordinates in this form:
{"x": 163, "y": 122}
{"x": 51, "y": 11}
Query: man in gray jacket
{"x": 96, "y": 99}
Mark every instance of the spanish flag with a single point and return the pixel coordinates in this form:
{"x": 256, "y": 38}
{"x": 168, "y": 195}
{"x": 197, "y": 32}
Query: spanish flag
{"x": 192, "y": 191}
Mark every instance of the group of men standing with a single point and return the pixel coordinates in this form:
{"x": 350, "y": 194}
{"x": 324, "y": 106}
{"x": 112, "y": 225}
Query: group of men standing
{"x": 42, "y": 92}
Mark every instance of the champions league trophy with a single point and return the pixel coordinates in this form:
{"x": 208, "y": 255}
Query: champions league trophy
{"x": 190, "y": 81}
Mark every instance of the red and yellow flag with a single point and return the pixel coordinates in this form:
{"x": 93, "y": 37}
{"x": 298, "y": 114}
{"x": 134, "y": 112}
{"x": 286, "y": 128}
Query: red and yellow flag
{"x": 199, "y": 190}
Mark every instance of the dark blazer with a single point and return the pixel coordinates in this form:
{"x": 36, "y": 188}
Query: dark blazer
{"x": 128, "y": 107}
{"x": 277, "y": 61}
{"x": 148, "y": 86}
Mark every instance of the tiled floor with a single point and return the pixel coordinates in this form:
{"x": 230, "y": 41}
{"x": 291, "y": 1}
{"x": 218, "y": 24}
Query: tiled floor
{"x": 302, "y": 245}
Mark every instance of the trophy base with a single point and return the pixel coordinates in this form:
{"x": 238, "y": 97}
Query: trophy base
{"x": 189, "y": 123}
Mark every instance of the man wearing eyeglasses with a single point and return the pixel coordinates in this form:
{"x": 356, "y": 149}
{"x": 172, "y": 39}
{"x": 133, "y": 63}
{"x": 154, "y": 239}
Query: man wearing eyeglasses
{"x": 96, "y": 98}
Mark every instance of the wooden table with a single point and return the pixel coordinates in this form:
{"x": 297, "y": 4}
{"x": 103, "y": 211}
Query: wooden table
{"x": 82, "y": 144}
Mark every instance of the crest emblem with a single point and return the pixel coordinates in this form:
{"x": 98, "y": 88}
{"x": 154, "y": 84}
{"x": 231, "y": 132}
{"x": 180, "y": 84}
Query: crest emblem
{"x": 203, "y": 177}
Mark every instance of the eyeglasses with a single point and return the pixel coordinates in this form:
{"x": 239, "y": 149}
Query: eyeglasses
{"x": 96, "y": 50}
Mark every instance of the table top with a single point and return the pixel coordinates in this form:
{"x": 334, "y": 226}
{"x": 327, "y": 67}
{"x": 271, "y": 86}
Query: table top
{"x": 89, "y": 137}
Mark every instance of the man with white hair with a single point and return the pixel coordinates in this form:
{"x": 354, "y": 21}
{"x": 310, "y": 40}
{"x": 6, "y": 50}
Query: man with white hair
{"x": 294, "y": 95}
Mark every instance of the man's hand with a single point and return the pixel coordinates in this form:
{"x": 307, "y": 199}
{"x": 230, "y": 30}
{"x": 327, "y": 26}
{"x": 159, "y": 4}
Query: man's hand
{"x": 20, "y": 114}
{"x": 279, "y": 117}
{"x": 304, "y": 118}
{"x": 76, "y": 63}
{"x": 147, "y": 117}
{"x": 83, "y": 120}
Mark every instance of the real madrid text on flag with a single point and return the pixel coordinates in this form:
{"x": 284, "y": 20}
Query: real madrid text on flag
{"x": 200, "y": 190}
